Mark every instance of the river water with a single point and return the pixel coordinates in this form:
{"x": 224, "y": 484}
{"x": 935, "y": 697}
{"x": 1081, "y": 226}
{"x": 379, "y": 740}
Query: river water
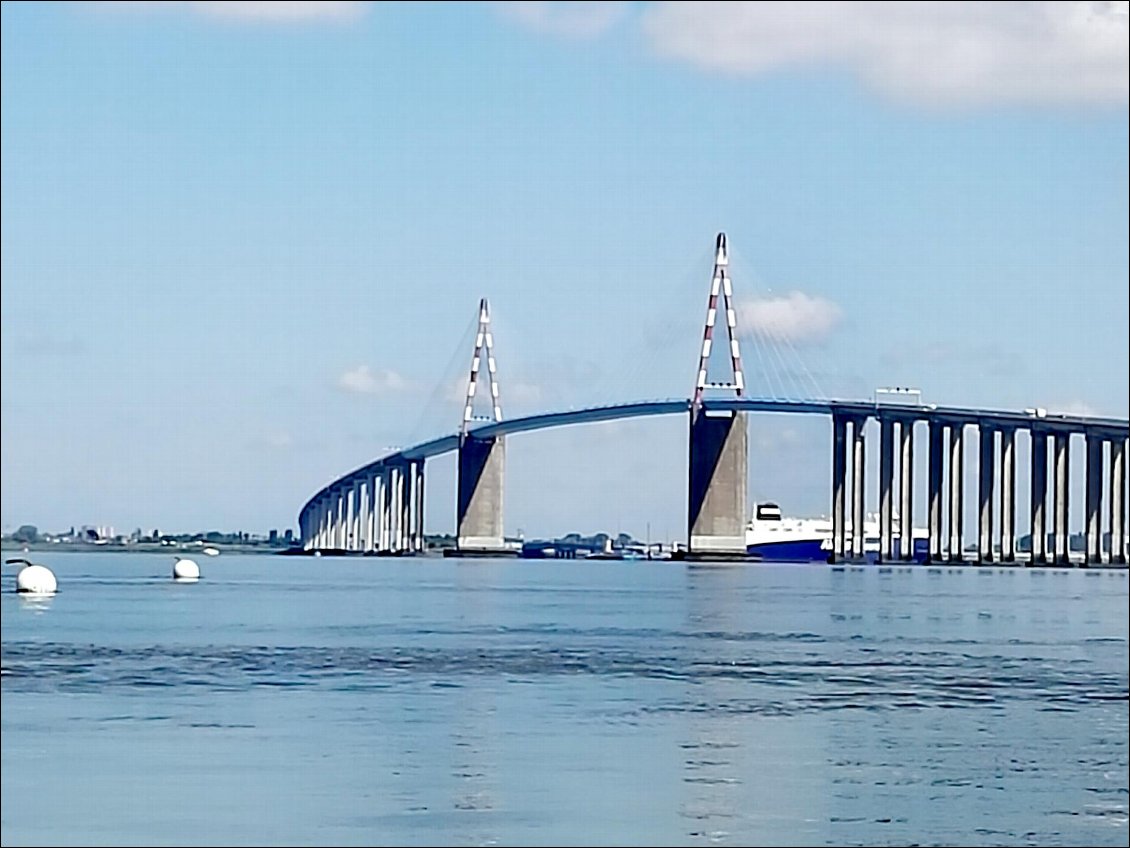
{"x": 506, "y": 702}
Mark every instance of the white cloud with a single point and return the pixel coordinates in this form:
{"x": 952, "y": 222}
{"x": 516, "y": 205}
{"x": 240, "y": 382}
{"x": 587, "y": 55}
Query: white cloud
{"x": 575, "y": 20}
{"x": 280, "y": 11}
{"x": 936, "y": 52}
{"x": 366, "y": 381}
{"x": 795, "y": 317}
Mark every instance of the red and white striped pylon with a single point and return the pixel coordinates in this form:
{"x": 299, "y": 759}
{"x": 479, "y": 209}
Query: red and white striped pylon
{"x": 483, "y": 340}
{"x": 721, "y": 282}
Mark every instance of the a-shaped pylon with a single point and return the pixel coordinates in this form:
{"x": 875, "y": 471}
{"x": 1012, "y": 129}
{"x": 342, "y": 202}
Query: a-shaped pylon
{"x": 484, "y": 344}
{"x": 719, "y": 284}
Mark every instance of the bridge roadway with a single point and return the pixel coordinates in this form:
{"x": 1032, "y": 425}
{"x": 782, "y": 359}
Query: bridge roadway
{"x": 1057, "y": 427}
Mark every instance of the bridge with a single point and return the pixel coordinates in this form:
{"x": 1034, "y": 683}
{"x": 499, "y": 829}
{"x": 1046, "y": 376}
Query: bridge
{"x": 379, "y": 507}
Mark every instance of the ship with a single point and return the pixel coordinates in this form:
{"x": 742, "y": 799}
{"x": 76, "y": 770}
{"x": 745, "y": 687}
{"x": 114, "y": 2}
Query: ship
{"x": 772, "y": 537}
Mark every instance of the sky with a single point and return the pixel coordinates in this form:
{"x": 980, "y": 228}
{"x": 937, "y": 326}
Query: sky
{"x": 243, "y": 244}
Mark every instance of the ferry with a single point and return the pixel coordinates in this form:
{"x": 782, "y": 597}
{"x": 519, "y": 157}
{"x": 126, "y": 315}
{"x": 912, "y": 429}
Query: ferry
{"x": 772, "y": 537}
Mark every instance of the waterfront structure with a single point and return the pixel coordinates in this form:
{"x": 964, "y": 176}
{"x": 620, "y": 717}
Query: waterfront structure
{"x": 379, "y": 508}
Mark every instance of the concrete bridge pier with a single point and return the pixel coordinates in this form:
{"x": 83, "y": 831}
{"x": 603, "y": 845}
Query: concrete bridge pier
{"x": 325, "y": 535}
{"x": 906, "y": 489}
{"x": 1062, "y": 473}
{"x": 382, "y": 505}
{"x": 886, "y": 484}
{"x": 355, "y": 540}
{"x": 858, "y": 489}
{"x": 329, "y": 532}
{"x": 717, "y": 481}
{"x": 478, "y": 516}
{"x": 312, "y": 526}
{"x": 1093, "y": 487}
{"x": 389, "y": 510}
{"x": 839, "y": 486}
{"x": 392, "y": 506}
{"x": 307, "y": 527}
{"x": 987, "y": 471}
{"x": 1008, "y": 495}
{"x": 400, "y": 496}
{"x": 1039, "y": 481}
{"x": 365, "y": 494}
{"x": 407, "y": 480}
{"x": 370, "y": 516}
{"x": 419, "y": 545}
{"x": 344, "y": 529}
{"x": 957, "y": 490}
{"x": 334, "y": 521}
{"x": 384, "y": 511}
{"x": 1118, "y": 501}
{"x": 935, "y": 490}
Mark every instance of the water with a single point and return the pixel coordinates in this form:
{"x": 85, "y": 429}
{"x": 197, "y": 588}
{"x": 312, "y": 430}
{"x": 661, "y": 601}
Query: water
{"x": 442, "y": 702}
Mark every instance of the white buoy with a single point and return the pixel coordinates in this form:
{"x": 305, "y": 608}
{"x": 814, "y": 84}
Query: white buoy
{"x": 186, "y": 569}
{"x": 34, "y": 579}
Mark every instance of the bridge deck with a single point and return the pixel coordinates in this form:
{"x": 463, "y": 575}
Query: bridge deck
{"x": 1046, "y": 422}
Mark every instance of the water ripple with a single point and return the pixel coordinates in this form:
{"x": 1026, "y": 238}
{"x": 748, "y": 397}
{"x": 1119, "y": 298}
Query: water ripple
{"x": 777, "y": 685}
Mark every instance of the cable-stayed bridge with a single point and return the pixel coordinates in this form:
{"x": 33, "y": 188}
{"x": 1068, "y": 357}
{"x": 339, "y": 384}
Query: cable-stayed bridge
{"x": 379, "y": 507}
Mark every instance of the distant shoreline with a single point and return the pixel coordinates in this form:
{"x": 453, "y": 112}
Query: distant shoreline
{"x": 139, "y": 548}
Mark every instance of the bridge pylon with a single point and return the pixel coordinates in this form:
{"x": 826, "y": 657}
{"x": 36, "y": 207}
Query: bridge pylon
{"x": 718, "y": 439}
{"x": 482, "y": 460}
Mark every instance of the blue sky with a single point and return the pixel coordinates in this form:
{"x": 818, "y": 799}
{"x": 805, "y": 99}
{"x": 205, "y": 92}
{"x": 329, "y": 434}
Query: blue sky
{"x": 243, "y": 244}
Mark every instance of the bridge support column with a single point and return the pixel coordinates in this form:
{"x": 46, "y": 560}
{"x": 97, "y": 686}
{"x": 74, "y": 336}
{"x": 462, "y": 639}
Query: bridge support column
{"x": 325, "y": 521}
{"x": 1039, "y": 497}
{"x": 386, "y": 511}
{"x": 405, "y": 494}
{"x": 957, "y": 491}
{"x": 1008, "y": 495}
{"x": 1094, "y": 498}
{"x": 479, "y": 506}
{"x": 395, "y": 509}
{"x": 987, "y": 437}
{"x": 337, "y": 520}
{"x": 886, "y": 483}
{"x": 310, "y": 542}
{"x": 858, "y": 489}
{"x": 839, "y": 485}
{"x": 364, "y": 495}
{"x": 935, "y": 489}
{"x": 906, "y": 489}
{"x": 370, "y": 514}
{"x": 355, "y": 516}
{"x": 1118, "y": 501}
{"x": 345, "y": 532}
{"x": 718, "y": 478}
{"x": 320, "y": 524}
{"x": 419, "y": 544}
{"x": 1062, "y": 447}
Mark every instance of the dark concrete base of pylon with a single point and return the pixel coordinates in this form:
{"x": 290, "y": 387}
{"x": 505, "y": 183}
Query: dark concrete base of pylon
{"x": 714, "y": 556}
{"x": 480, "y": 553}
